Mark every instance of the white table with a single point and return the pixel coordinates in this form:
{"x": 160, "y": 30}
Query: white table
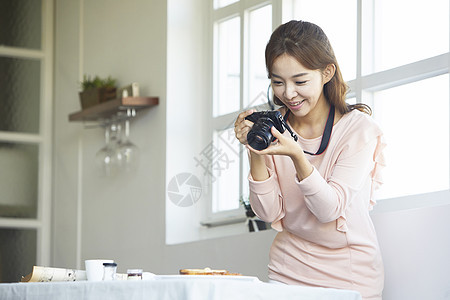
{"x": 169, "y": 288}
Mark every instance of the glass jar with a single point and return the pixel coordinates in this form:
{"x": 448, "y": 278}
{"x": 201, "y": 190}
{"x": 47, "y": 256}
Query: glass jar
{"x": 109, "y": 271}
{"x": 134, "y": 274}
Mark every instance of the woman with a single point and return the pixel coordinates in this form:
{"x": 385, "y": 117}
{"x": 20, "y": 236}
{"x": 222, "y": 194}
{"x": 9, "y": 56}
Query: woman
{"x": 318, "y": 201}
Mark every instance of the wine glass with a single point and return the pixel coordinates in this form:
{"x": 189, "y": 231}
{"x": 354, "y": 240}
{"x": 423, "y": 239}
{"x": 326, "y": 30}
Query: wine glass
{"x": 106, "y": 157}
{"x": 127, "y": 152}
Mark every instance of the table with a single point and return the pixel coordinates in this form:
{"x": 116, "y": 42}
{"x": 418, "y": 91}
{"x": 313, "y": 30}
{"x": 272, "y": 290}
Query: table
{"x": 169, "y": 288}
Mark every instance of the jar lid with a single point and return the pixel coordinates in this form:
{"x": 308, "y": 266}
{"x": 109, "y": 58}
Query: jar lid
{"x": 110, "y": 264}
{"x": 134, "y": 271}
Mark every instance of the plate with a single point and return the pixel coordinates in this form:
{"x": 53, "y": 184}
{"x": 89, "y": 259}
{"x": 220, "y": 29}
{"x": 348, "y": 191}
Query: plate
{"x": 221, "y": 277}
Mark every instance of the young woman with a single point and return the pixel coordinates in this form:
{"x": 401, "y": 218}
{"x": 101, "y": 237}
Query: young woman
{"x": 318, "y": 201}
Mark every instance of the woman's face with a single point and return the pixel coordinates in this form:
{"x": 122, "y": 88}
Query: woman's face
{"x": 299, "y": 88}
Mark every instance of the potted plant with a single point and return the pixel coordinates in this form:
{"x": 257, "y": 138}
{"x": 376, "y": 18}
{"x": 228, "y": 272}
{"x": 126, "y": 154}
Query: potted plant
{"x": 97, "y": 90}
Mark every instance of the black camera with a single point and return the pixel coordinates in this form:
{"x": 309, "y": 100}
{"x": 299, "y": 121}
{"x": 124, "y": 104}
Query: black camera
{"x": 260, "y": 136}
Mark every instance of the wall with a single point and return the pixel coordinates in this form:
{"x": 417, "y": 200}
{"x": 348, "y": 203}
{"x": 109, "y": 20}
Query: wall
{"x": 120, "y": 217}
{"x": 415, "y": 244}
{"x": 186, "y": 94}
{"x": 125, "y": 218}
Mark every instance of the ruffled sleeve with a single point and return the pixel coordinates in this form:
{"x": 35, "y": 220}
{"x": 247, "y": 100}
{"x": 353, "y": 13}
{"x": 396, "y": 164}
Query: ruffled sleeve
{"x": 356, "y": 165}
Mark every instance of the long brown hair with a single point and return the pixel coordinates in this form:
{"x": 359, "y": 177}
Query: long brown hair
{"x": 307, "y": 43}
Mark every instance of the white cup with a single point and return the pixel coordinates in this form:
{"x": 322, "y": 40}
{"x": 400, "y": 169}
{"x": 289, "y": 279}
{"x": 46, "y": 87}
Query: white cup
{"x": 94, "y": 268}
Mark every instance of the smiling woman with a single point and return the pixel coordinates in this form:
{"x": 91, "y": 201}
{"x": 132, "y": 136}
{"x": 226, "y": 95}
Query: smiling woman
{"x": 318, "y": 203}
{"x": 297, "y": 87}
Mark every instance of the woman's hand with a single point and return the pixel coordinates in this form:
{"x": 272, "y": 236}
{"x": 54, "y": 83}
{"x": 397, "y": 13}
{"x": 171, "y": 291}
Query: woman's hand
{"x": 283, "y": 145}
{"x": 243, "y": 126}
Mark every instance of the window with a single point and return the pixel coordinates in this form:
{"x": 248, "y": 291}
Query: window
{"x": 399, "y": 68}
{"x": 340, "y": 30}
{"x": 228, "y": 70}
{"x": 256, "y": 81}
{"x": 241, "y": 30}
{"x": 422, "y": 32}
{"x": 223, "y": 3}
{"x": 410, "y": 64}
{"x": 25, "y": 135}
{"x": 418, "y": 145}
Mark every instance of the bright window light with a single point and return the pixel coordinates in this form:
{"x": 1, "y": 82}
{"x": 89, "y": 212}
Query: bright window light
{"x": 422, "y": 31}
{"x": 260, "y": 28}
{"x": 225, "y": 154}
{"x": 222, "y": 3}
{"x": 341, "y": 31}
{"x": 227, "y": 67}
{"x": 415, "y": 121}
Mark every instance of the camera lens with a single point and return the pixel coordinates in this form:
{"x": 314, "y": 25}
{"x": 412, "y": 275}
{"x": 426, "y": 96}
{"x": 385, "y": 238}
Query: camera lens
{"x": 260, "y": 137}
{"x": 257, "y": 142}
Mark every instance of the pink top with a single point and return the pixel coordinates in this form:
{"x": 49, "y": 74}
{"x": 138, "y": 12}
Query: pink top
{"x": 326, "y": 237}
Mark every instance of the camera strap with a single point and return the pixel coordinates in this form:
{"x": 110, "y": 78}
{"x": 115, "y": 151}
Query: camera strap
{"x": 326, "y": 132}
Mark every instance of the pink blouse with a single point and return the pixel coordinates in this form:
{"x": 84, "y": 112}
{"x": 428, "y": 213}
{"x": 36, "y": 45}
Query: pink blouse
{"x": 326, "y": 237}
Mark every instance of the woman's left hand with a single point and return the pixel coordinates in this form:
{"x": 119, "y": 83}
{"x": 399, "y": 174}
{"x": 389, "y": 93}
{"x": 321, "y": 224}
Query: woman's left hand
{"x": 283, "y": 145}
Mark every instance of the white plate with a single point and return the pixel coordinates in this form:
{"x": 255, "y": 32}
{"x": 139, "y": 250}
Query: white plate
{"x": 226, "y": 277}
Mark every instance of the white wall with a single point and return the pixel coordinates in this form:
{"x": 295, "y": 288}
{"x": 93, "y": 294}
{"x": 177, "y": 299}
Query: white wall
{"x": 126, "y": 218}
{"x": 186, "y": 95}
{"x": 188, "y": 109}
{"x": 121, "y": 217}
{"x": 415, "y": 244}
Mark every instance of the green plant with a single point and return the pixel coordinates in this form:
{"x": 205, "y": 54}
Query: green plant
{"x": 97, "y": 82}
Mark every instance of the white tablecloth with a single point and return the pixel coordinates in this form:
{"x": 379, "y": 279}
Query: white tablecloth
{"x": 173, "y": 289}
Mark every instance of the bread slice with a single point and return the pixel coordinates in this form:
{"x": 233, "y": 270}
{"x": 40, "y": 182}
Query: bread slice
{"x": 206, "y": 271}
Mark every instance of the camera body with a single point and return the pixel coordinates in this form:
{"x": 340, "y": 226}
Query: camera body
{"x": 260, "y": 137}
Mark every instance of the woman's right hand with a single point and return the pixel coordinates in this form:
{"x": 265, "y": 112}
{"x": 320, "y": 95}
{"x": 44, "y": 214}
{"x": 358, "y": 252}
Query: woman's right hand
{"x": 243, "y": 126}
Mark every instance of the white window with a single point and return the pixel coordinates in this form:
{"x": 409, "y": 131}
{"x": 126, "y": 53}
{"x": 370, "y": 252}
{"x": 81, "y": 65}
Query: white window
{"x": 241, "y": 30}
{"x": 223, "y": 3}
{"x": 405, "y": 73}
{"x": 401, "y": 71}
{"x": 399, "y": 68}
{"x": 421, "y": 32}
{"x": 416, "y": 121}
{"x": 228, "y": 66}
{"x": 25, "y": 135}
{"x": 341, "y": 30}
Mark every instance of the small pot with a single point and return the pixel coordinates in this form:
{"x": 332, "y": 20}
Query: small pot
{"x": 94, "y": 96}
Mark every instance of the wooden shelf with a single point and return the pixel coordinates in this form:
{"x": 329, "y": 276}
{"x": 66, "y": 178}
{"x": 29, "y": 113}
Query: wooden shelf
{"x": 112, "y": 108}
